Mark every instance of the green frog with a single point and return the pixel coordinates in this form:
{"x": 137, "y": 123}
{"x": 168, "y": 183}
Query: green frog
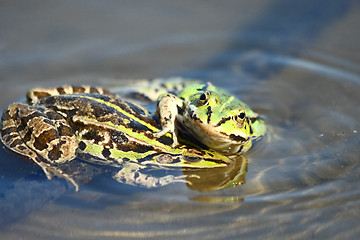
{"x": 199, "y": 126}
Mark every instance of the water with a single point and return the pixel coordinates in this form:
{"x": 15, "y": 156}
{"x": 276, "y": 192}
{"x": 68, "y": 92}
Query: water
{"x": 295, "y": 63}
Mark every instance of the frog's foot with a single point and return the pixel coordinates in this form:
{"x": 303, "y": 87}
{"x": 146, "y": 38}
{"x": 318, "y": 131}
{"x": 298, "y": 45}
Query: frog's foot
{"x": 167, "y": 111}
{"x": 51, "y": 171}
{"x": 172, "y": 131}
{"x": 131, "y": 176}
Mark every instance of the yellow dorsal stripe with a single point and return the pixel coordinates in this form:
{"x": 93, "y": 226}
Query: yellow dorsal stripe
{"x": 119, "y": 109}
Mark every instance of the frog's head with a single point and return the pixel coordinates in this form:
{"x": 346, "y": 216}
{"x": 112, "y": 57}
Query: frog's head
{"x": 219, "y": 120}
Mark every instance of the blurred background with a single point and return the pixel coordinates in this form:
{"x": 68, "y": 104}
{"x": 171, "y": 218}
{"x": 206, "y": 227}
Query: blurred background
{"x": 65, "y": 42}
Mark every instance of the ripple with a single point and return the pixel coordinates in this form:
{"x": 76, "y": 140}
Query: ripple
{"x": 312, "y": 118}
{"x": 304, "y": 171}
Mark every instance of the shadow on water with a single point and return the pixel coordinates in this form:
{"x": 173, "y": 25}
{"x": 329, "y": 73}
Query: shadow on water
{"x": 22, "y": 189}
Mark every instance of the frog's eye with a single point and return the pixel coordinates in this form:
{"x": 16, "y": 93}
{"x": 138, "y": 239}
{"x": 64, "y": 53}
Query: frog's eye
{"x": 240, "y": 118}
{"x": 204, "y": 99}
{"x": 241, "y": 115}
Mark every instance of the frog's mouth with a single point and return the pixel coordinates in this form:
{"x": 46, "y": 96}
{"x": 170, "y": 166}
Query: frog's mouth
{"x": 209, "y": 135}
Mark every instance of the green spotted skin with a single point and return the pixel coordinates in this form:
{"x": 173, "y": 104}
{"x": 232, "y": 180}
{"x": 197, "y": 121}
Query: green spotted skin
{"x": 58, "y": 125}
{"x": 214, "y": 117}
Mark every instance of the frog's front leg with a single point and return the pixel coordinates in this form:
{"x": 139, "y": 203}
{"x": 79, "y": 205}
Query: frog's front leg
{"x": 167, "y": 109}
{"x": 130, "y": 174}
{"x": 40, "y": 134}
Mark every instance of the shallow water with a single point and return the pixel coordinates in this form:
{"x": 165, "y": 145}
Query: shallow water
{"x": 295, "y": 63}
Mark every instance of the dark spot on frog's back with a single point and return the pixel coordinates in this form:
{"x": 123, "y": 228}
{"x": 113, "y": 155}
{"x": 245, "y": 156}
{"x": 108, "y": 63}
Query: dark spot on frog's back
{"x": 134, "y": 147}
{"x": 141, "y": 148}
{"x": 51, "y": 100}
{"x": 106, "y": 153}
{"x": 118, "y": 137}
{"x": 65, "y": 130}
{"x": 55, "y": 153}
{"x": 53, "y": 115}
{"x": 41, "y": 142}
{"x": 165, "y": 140}
{"x": 93, "y": 134}
{"x": 82, "y": 146}
{"x": 99, "y": 111}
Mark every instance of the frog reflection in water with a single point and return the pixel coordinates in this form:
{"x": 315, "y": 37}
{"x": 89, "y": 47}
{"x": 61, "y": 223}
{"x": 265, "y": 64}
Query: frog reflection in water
{"x": 57, "y": 125}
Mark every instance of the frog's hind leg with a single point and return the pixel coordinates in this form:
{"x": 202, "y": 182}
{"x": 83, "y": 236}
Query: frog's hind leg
{"x": 28, "y": 132}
